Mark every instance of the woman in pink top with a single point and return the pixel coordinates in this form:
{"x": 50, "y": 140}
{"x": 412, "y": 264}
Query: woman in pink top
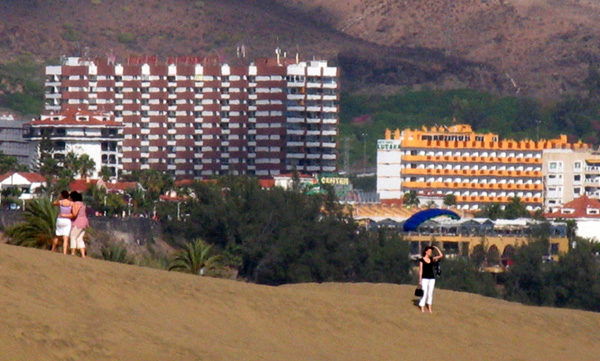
{"x": 79, "y": 224}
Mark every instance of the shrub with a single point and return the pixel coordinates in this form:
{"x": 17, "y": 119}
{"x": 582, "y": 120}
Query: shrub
{"x": 126, "y": 38}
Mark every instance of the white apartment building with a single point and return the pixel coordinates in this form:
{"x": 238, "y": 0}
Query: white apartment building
{"x": 570, "y": 174}
{"x": 197, "y": 117}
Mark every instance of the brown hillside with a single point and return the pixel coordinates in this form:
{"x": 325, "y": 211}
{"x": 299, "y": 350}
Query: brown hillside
{"x": 57, "y": 307}
{"x": 545, "y": 47}
{"x": 45, "y": 30}
{"x": 528, "y": 47}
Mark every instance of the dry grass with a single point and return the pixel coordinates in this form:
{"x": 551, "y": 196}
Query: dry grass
{"x": 57, "y": 307}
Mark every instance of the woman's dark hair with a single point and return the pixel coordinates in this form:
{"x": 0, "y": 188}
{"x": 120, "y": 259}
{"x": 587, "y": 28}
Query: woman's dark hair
{"x": 76, "y": 197}
{"x": 425, "y": 250}
{"x": 64, "y": 194}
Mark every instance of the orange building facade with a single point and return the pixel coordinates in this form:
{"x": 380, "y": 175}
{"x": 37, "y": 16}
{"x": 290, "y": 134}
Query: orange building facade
{"x": 478, "y": 169}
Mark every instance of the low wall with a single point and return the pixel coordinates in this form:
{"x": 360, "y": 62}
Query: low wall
{"x": 130, "y": 230}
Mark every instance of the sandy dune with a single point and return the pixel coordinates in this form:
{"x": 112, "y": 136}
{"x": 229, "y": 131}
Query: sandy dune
{"x": 56, "y": 307}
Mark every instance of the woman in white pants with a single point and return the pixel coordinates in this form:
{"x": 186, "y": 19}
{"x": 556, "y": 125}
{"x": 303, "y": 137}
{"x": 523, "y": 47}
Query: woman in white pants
{"x": 427, "y": 276}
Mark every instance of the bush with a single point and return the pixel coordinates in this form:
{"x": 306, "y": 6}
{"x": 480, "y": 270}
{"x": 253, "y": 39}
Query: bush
{"x": 126, "y": 38}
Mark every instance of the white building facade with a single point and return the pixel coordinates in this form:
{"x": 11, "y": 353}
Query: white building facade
{"x": 80, "y": 132}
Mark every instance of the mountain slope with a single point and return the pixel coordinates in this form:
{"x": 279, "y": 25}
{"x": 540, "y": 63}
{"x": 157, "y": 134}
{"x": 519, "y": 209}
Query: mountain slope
{"x": 525, "y": 47}
{"x": 542, "y": 47}
{"x": 59, "y": 307}
{"x": 45, "y": 30}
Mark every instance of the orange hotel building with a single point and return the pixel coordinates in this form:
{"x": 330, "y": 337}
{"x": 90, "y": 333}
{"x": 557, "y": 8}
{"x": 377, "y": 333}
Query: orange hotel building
{"x": 479, "y": 169}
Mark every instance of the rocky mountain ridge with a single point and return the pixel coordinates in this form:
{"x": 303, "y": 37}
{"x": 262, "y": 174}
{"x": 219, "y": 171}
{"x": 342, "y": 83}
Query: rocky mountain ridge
{"x": 524, "y": 47}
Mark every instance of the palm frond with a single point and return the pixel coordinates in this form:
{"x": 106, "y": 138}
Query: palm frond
{"x": 195, "y": 258}
{"x": 38, "y": 226}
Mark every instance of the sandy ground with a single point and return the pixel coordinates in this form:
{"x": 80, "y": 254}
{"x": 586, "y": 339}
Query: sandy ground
{"x": 55, "y": 307}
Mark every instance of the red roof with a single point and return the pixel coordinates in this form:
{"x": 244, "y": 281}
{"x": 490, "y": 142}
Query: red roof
{"x": 120, "y": 186}
{"x": 69, "y": 116}
{"x": 81, "y": 185}
{"x": 266, "y": 183}
{"x": 577, "y": 208}
{"x": 183, "y": 182}
{"x": 291, "y": 175}
{"x": 30, "y": 177}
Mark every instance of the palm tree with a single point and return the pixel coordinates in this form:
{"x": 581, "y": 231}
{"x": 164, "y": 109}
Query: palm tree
{"x": 38, "y": 226}
{"x": 72, "y": 162}
{"x": 116, "y": 253}
{"x": 196, "y": 258}
{"x": 410, "y": 199}
{"x": 86, "y": 165}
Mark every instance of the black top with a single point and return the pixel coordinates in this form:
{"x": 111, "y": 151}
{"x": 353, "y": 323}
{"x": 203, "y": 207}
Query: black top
{"x": 427, "y": 269}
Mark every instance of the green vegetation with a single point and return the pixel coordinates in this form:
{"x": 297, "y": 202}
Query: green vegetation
{"x": 410, "y": 199}
{"x": 10, "y": 164}
{"x": 196, "y": 258}
{"x": 513, "y": 210}
{"x": 449, "y": 200}
{"x": 126, "y": 38}
{"x": 70, "y": 33}
{"x": 115, "y": 252}
{"x": 577, "y": 116}
{"x": 282, "y": 236}
{"x": 38, "y": 226}
{"x": 22, "y": 86}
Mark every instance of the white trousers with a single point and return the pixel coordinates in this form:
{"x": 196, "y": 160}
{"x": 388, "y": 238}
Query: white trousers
{"x": 427, "y": 284}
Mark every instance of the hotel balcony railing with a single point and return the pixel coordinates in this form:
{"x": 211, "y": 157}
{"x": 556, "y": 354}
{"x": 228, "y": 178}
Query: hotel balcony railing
{"x": 473, "y": 186}
{"x": 473, "y": 172}
{"x": 468, "y": 159}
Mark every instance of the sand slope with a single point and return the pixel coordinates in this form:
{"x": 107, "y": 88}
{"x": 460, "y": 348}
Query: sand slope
{"x": 56, "y": 307}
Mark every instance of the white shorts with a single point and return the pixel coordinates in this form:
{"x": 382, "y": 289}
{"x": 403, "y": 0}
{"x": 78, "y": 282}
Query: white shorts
{"x": 63, "y": 226}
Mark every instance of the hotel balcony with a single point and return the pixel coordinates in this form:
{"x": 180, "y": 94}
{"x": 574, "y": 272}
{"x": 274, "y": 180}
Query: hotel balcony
{"x": 473, "y": 172}
{"x": 463, "y": 159}
{"x": 592, "y": 170}
{"x": 473, "y": 186}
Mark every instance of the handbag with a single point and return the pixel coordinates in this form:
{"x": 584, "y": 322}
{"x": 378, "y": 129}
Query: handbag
{"x": 418, "y": 292}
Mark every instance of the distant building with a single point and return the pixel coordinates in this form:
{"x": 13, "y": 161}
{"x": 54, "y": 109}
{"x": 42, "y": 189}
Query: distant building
{"x": 478, "y": 169}
{"x": 570, "y": 174}
{"x": 81, "y": 132}
{"x": 584, "y": 211}
{"x": 28, "y": 184}
{"x": 197, "y": 117}
{"x": 12, "y": 142}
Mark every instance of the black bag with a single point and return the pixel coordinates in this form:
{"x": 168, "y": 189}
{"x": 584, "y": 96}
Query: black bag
{"x": 419, "y": 292}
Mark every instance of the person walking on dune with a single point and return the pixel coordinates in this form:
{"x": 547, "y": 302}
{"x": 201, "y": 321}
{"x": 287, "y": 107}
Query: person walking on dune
{"x": 63, "y": 222}
{"x": 80, "y": 223}
{"x": 427, "y": 275}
